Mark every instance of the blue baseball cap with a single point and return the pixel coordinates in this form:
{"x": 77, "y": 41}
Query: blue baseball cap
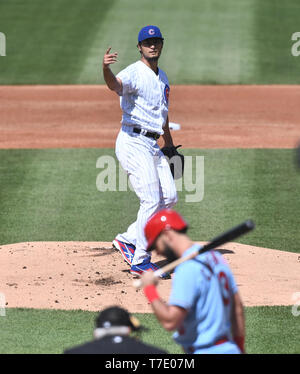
{"x": 148, "y": 32}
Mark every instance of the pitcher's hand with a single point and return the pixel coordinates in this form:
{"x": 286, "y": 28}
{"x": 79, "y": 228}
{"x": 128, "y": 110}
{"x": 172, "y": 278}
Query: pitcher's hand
{"x": 109, "y": 58}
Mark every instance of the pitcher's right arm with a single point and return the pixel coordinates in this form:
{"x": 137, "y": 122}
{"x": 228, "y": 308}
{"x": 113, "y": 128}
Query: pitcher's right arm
{"x": 113, "y": 83}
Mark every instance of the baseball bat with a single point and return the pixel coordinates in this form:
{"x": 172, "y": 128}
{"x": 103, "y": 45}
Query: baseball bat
{"x": 227, "y": 236}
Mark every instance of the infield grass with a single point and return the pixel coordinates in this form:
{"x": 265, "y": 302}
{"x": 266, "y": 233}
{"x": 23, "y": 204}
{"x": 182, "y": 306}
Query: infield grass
{"x": 51, "y": 195}
{"x": 206, "y": 42}
{"x": 269, "y": 330}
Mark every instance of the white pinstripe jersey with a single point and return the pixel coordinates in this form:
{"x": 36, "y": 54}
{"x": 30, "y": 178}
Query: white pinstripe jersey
{"x": 145, "y": 97}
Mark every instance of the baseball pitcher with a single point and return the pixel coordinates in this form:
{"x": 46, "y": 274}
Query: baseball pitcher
{"x": 144, "y": 98}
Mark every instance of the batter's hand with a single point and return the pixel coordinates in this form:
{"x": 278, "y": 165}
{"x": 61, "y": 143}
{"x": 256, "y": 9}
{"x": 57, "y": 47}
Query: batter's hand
{"x": 109, "y": 58}
{"x": 148, "y": 278}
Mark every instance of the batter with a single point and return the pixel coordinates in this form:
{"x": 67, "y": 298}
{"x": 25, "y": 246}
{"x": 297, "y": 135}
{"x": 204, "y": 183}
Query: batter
{"x": 204, "y": 307}
{"x": 144, "y": 98}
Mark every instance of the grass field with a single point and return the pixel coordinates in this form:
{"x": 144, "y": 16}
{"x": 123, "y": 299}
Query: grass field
{"x": 51, "y": 331}
{"x": 206, "y": 42}
{"x": 52, "y": 195}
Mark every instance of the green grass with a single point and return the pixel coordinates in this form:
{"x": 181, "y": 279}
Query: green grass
{"x": 51, "y": 195}
{"x": 241, "y": 184}
{"x": 272, "y": 330}
{"x": 275, "y": 22}
{"x": 269, "y": 330}
{"x": 206, "y": 42}
{"x": 48, "y": 42}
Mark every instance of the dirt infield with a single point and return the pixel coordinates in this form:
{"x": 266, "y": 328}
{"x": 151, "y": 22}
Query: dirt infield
{"x": 93, "y": 275}
{"x": 211, "y": 116}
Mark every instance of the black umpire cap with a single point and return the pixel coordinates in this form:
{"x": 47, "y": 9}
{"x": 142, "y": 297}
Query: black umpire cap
{"x": 116, "y": 317}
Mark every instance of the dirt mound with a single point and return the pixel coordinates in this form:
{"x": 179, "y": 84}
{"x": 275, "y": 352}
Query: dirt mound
{"x": 92, "y": 275}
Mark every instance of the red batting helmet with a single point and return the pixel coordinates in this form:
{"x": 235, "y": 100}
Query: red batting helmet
{"x": 164, "y": 219}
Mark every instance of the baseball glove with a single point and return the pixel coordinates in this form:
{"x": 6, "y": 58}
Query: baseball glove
{"x": 175, "y": 160}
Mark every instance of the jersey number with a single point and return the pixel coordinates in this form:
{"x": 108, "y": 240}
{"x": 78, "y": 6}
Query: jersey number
{"x": 224, "y": 287}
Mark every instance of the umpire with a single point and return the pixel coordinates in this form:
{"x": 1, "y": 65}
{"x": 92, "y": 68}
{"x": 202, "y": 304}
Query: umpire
{"x": 112, "y": 335}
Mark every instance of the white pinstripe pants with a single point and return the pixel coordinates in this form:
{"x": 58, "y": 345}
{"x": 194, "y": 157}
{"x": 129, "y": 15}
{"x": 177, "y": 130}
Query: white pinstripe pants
{"x": 151, "y": 179}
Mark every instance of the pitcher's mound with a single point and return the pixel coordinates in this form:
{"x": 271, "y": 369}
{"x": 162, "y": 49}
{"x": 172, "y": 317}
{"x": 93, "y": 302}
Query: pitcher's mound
{"x": 93, "y": 275}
